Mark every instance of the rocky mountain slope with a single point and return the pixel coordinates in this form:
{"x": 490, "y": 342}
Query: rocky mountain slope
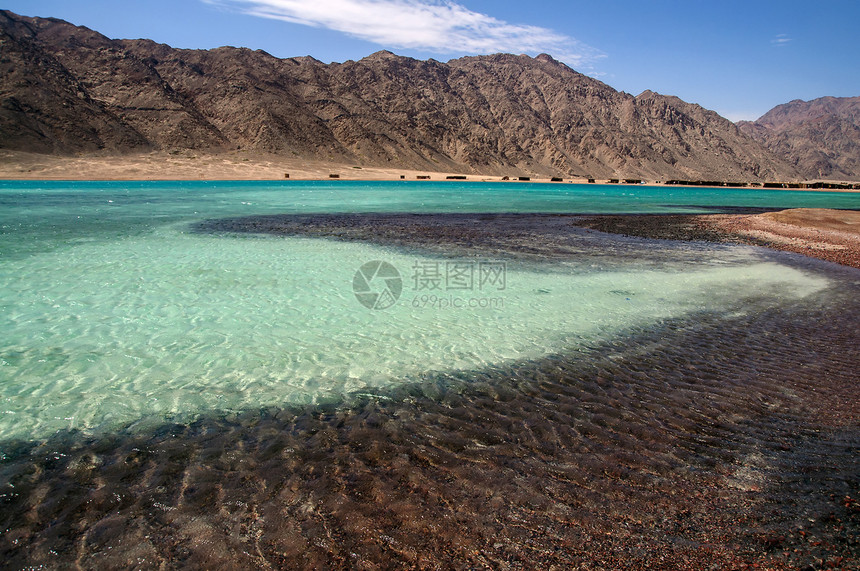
{"x": 820, "y": 137}
{"x": 66, "y": 89}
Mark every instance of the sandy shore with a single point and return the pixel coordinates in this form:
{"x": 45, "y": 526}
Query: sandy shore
{"x": 192, "y": 165}
{"x": 237, "y": 165}
{"x": 832, "y": 235}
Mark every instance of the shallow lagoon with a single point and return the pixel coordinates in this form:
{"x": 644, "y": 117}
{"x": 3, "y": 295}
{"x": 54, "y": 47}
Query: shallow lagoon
{"x": 154, "y": 371}
{"x": 115, "y": 312}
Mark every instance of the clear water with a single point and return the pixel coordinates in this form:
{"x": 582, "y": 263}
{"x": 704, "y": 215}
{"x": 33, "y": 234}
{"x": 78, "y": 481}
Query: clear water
{"x": 114, "y": 313}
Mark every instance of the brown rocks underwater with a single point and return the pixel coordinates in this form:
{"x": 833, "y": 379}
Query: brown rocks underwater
{"x": 718, "y": 440}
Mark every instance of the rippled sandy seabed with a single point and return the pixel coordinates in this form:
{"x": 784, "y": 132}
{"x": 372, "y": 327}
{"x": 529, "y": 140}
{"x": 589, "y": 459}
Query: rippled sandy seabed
{"x": 725, "y": 436}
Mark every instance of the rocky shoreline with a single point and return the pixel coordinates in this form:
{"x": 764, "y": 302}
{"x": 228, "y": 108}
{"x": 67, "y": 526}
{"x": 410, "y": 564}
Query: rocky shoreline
{"x": 831, "y": 235}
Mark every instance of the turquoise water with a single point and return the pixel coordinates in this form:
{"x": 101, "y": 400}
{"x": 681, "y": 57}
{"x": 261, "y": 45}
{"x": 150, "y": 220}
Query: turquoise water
{"x": 115, "y": 313}
{"x": 37, "y": 215}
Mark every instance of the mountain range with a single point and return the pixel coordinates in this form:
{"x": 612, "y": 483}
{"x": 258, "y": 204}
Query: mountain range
{"x": 821, "y": 138}
{"x": 66, "y": 89}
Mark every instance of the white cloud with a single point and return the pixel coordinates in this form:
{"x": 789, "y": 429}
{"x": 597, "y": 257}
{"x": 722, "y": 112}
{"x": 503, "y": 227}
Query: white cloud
{"x": 780, "y": 40}
{"x": 436, "y": 26}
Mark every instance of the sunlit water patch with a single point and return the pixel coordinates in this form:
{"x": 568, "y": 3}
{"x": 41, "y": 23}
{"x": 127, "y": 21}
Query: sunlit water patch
{"x": 612, "y": 402}
{"x": 170, "y": 324}
{"x": 114, "y": 312}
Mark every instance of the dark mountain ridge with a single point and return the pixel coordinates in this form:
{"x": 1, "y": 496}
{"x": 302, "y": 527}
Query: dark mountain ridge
{"x": 820, "y": 137}
{"x": 67, "y": 89}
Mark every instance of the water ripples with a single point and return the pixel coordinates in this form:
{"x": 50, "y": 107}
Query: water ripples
{"x": 697, "y": 410}
{"x": 702, "y": 441}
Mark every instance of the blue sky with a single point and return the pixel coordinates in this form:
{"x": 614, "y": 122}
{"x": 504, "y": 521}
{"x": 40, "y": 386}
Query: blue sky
{"x": 739, "y": 58}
